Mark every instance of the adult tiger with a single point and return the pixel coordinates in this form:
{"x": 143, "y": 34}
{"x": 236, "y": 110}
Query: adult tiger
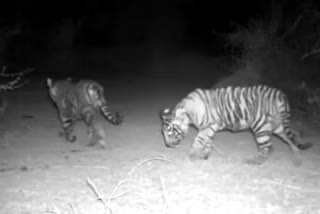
{"x": 262, "y": 109}
{"x": 81, "y": 101}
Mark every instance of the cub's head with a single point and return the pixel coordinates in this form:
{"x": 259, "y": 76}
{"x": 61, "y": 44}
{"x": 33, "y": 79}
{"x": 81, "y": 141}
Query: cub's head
{"x": 174, "y": 126}
{"x": 57, "y": 87}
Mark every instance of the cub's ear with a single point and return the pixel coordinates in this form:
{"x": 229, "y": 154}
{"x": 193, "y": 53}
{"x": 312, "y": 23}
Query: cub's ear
{"x": 166, "y": 114}
{"x": 49, "y": 82}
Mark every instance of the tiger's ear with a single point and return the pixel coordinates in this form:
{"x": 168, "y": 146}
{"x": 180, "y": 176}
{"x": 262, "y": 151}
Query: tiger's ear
{"x": 49, "y": 82}
{"x": 166, "y": 114}
{"x": 52, "y": 89}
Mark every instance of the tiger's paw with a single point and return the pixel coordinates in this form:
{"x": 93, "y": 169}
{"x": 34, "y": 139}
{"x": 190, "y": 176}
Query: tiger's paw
{"x": 305, "y": 146}
{"x": 68, "y": 137}
{"x": 71, "y": 139}
{"x": 198, "y": 155}
{"x": 61, "y": 134}
{"x": 258, "y": 160}
{"x": 97, "y": 140}
{"x": 119, "y": 118}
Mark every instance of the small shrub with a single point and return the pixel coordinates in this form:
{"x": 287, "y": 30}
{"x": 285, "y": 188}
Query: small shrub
{"x": 12, "y": 82}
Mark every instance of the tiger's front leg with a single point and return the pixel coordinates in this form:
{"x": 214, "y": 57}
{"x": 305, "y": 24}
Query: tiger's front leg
{"x": 202, "y": 144}
{"x": 67, "y": 129}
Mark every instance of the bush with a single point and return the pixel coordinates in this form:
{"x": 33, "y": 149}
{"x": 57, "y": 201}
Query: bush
{"x": 277, "y": 54}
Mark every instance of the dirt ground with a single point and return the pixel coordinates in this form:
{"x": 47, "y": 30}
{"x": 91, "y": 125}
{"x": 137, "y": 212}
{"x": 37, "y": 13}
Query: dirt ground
{"x": 136, "y": 173}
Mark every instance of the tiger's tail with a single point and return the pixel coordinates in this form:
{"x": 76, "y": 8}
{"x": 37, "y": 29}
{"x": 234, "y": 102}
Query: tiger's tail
{"x": 112, "y": 117}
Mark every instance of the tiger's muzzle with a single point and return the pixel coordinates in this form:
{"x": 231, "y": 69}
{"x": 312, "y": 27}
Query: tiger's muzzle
{"x": 172, "y": 143}
{"x": 172, "y": 137}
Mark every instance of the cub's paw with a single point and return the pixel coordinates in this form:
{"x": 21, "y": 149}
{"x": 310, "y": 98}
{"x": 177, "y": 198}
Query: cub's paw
{"x": 257, "y": 160}
{"x": 119, "y": 119}
{"x": 198, "y": 155}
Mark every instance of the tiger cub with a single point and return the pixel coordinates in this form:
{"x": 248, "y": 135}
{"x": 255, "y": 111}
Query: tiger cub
{"x": 82, "y": 100}
{"x": 263, "y": 110}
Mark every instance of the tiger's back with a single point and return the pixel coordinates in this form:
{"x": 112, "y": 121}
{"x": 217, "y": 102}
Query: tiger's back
{"x": 85, "y": 95}
{"x": 248, "y": 107}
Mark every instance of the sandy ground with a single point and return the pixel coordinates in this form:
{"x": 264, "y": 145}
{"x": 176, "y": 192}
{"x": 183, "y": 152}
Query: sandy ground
{"x": 136, "y": 173}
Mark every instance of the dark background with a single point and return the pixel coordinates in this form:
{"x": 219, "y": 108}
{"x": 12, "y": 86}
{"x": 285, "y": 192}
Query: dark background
{"x": 34, "y": 32}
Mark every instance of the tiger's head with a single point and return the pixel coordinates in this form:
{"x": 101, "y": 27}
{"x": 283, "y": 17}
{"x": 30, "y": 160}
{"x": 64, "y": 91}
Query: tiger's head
{"x": 57, "y": 87}
{"x": 175, "y": 126}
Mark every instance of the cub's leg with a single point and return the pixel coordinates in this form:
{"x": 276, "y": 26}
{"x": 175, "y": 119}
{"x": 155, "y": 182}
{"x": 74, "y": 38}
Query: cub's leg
{"x": 98, "y": 135}
{"x": 288, "y": 136}
{"x": 96, "y": 132}
{"x": 67, "y": 129}
{"x": 88, "y": 119}
{"x": 202, "y": 144}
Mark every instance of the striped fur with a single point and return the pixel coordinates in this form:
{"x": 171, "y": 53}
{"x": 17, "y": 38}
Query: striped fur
{"x": 262, "y": 109}
{"x": 81, "y": 101}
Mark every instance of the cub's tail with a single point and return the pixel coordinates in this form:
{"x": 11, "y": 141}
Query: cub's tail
{"x": 112, "y": 117}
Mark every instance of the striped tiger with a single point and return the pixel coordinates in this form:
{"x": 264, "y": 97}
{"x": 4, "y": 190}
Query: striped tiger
{"x": 261, "y": 109}
{"x": 81, "y": 101}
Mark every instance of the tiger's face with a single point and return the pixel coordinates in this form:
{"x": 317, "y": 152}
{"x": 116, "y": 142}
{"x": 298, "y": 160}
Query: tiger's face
{"x": 174, "y": 128}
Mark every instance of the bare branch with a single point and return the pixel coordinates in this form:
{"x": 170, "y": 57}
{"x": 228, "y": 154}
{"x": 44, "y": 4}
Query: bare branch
{"x": 313, "y": 51}
{"x": 4, "y": 73}
{"x": 147, "y": 160}
{"x": 292, "y": 28}
{"x": 16, "y": 82}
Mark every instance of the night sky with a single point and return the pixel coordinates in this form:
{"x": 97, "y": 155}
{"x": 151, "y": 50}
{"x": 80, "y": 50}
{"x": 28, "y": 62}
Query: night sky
{"x": 107, "y": 24}
{"x": 198, "y": 17}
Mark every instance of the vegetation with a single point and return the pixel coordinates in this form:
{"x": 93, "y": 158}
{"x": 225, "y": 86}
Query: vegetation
{"x": 282, "y": 50}
{"x": 12, "y": 82}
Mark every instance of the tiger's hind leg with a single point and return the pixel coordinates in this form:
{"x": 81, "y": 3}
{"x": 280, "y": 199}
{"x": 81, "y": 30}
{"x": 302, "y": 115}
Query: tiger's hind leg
{"x": 67, "y": 130}
{"x": 288, "y": 136}
{"x": 98, "y": 137}
{"x": 88, "y": 119}
{"x": 96, "y": 132}
{"x": 264, "y": 144}
{"x": 285, "y": 133}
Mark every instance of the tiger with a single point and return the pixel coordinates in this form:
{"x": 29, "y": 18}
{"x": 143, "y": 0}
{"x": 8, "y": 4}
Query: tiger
{"x": 260, "y": 108}
{"x": 81, "y": 100}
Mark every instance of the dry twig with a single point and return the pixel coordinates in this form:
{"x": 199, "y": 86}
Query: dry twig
{"x": 292, "y": 28}
{"x": 147, "y": 160}
{"x": 113, "y": 195}
{"x": 165, "y": 195}
{"x": 73, "y": 208}
{"x": 121, "y": 182}
{"x": 217, "y": 150}
{"x": 313, "y": 51}
{"x": 99, "y": 197}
